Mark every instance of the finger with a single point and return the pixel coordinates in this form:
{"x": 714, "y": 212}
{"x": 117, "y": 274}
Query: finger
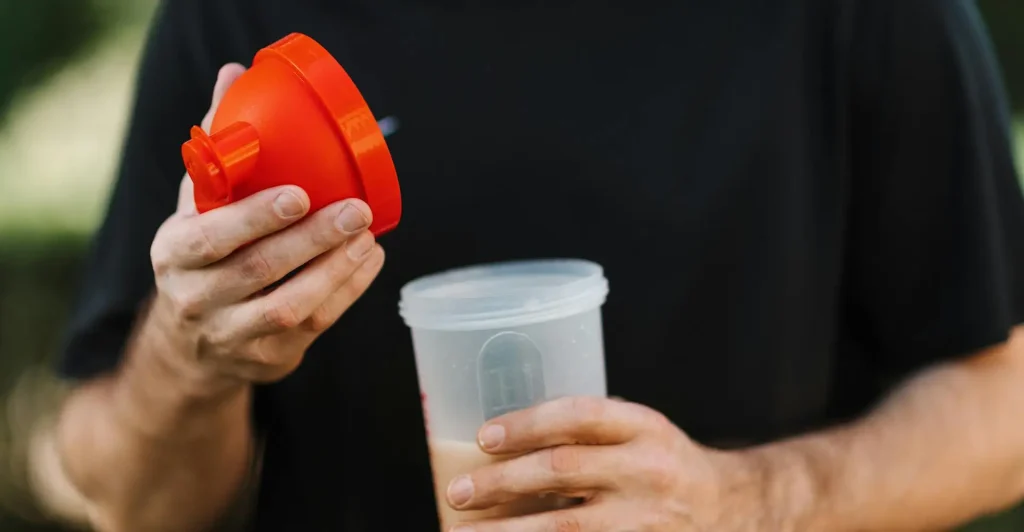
{"x": 269, "y": 260}
{"x": 570, "y": 470}
{"x": 587, "y": 518}
{"x": 207, "y": 238}
{"x": 254, "y": 366}
{"x": 566, "y": 421}
{"x": 328, "y": 313}
{"x": 292, "y": 303}
{"x": 186, "y": 198}
{"x": 226, "y": 76}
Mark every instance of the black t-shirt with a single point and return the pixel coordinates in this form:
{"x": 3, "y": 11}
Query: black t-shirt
{"x": 795, "y": 203}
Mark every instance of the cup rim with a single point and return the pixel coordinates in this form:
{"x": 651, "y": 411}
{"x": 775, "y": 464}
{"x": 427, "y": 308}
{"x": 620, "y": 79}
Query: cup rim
{"x": 474, "y": 298}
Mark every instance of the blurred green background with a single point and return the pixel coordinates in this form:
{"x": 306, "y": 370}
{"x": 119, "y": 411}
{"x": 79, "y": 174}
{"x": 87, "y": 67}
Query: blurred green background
{"x": 66, "y": 73}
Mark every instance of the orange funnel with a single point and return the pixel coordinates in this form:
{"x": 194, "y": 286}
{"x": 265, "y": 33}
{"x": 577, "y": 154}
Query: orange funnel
{"x": 295, "y": 118}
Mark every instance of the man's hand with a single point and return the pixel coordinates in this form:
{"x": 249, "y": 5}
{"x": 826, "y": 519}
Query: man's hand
{"x": 634, "y": 469}
{"x": 165, "y": 443}
{"x": 943, "y": 449}
{"x": 212, "y": 311}
{"x": 211, "y": 305}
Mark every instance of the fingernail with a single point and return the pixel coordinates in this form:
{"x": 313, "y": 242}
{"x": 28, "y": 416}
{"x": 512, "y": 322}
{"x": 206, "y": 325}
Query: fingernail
{"x": 492, "y": 436}
{"x": 359, "y": 246}
{"x": 288, "y": 205}
{"x": 351, "y": 219}
{"x": 462, "y": 528}
{"x": 460, "y": 491}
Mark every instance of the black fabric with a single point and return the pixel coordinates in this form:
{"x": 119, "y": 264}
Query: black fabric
{"x": 795, "y": 202}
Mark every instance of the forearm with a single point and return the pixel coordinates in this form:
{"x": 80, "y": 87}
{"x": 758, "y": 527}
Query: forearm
{"x": 148, "y": 453}
{"x": 945, "y": 448}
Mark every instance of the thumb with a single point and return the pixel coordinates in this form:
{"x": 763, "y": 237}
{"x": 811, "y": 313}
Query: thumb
{"x": 225, "y": 78}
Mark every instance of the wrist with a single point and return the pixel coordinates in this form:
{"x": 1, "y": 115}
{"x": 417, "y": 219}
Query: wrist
{"x": 159, "y": 389}
{"x": 785, "y": 490}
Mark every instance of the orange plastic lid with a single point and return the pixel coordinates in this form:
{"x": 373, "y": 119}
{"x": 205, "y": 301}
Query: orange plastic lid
{"x": 297, "y": 118}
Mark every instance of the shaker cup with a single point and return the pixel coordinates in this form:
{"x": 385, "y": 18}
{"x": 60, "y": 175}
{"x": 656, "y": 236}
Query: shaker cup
{"x": 492, "y": 339}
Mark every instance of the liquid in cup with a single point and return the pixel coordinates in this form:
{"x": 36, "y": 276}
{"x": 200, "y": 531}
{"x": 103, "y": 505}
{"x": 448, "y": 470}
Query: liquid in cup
{"x": 451, "y": 458}
{"x": 497, "y": 338}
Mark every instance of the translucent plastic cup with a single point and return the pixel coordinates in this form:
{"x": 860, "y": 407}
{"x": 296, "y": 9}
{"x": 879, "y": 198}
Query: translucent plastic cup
{"x": 497, "y": 338}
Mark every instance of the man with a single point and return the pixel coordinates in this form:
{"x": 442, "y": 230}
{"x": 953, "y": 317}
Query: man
{"x": 807, "y": 211}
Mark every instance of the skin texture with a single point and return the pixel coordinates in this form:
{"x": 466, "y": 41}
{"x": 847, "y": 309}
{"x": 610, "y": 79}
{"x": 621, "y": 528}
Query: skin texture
{"x": 945, "y": 448}
{"x": 164, "y": 443}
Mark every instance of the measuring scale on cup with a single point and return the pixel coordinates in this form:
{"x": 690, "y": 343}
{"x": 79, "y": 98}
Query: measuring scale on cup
{"x": 494, "y": 339}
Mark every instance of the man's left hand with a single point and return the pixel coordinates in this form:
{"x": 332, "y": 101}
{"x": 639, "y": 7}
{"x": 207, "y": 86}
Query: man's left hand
{"x": 633, "y": 468}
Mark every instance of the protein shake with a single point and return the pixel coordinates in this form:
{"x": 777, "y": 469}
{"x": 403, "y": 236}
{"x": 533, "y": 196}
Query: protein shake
{"x": 450, "y": 458}
{"x": 497, "y": 338}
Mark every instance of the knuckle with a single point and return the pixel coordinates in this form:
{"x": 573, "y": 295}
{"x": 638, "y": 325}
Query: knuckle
{"x": 317, "y": 239}
{"x": 256, "y": 268}
{"x": 364, "y": 275}
{"x": 352, "y": 289}
{"x": 321, "y": 319}
{"x": 564, "y": 460}
{"x": 652, "y": 418}
{"x": 282, "y": 315}
{"x": 661, "y": 421}
{"x": 585, "y": 408}
{"x": 659, "y": 479}
{"x": 215, "y": 344}
{"x": 258, "y": 352}
{"x": 323, "y": 234}
{"x": 187, "y": 305}
{"x": 495, "y": 479}
{"x": 160, "y": 260}
{"x": 340, "y": 266}
{"x": 654, "y": 466}
{"x": 160, "y": 254}
{"x": 272, "y": 359}
{"x": 200, "y": 244}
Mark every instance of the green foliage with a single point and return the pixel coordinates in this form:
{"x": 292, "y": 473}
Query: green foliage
{"x": 38, "y": 278}
{"x": 1005, "y": 20}
{"x": 1011, "y": 521}
{"x": 39, "y": 36}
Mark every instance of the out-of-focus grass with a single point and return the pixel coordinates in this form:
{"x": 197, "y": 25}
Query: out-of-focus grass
{"x": 58, "y": 149}
{"x": 58, "y": 152}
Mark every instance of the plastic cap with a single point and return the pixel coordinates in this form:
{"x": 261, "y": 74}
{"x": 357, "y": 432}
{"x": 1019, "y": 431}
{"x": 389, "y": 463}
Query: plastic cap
{"x": 295, "y": 117}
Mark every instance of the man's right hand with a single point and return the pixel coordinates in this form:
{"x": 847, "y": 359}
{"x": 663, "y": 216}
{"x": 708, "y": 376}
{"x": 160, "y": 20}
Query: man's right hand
{"x": 212, "y": 308}
{"x": 213, "y": 315}
{"x": 165, "y": 442}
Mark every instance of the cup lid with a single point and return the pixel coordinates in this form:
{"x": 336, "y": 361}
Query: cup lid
{"x": 505, "y": 294}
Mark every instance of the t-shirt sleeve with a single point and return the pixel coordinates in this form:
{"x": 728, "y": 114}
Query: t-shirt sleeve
{"x": 935, "y": 258}
{"x": 172, "y": 93}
